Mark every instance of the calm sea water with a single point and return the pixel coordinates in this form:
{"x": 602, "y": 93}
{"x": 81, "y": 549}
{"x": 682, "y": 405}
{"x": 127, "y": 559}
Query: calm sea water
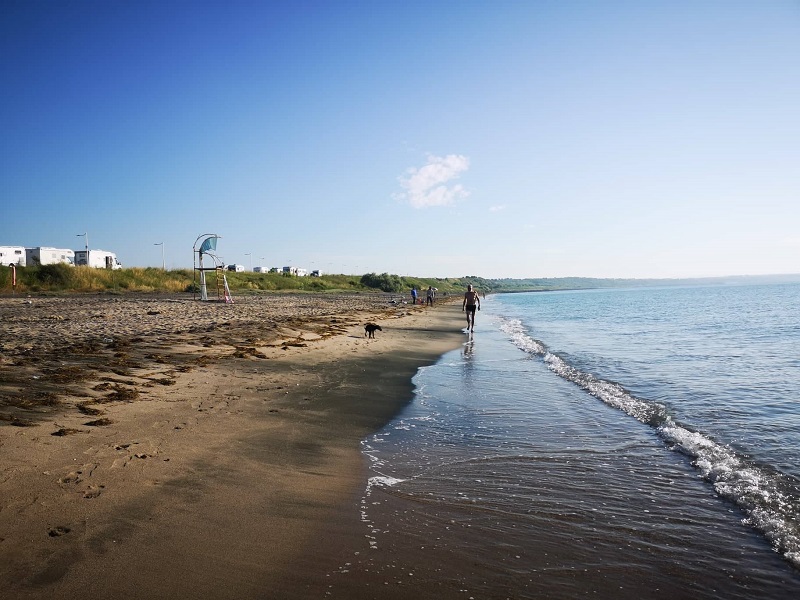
{"x": 615, "y": 443}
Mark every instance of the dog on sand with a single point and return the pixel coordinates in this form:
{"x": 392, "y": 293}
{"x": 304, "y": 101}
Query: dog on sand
{"x": 369, "y": 329}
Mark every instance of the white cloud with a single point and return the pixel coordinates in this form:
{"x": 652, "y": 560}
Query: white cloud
{"x": 497, "y": 208}
{"x": 429, "y": 185}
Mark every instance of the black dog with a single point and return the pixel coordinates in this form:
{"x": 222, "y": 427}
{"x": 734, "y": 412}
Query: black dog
{"x": 369, "y": 329}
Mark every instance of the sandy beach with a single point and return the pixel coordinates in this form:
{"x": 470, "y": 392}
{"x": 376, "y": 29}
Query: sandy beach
{"x": 161, "y": 447}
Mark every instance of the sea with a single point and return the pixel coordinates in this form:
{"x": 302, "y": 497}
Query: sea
{"x": 609, "y": 443}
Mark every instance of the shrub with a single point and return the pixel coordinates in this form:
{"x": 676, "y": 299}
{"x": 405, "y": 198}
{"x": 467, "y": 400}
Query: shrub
{"x": 384, "y": 281}
{"x": 58, "y": 276}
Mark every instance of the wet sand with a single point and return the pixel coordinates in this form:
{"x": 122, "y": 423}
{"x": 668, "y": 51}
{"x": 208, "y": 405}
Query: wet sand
{"x": 164, "y": 447}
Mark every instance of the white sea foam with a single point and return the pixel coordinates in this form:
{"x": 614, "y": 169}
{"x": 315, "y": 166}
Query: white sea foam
{"x": 384, "y": 481}
{"x": 515, "y": 329}
{"x": 758, "y": 492}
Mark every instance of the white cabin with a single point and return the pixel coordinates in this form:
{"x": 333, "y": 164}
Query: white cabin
{"x": 99, "y": 259}
{"x": 44, "y": 255}
{"x": 12, "y": 255}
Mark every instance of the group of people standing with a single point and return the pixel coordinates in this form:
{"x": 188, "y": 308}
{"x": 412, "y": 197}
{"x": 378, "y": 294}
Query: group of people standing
{"x": 472, "y": 302}
{"x": 430, "y": 295}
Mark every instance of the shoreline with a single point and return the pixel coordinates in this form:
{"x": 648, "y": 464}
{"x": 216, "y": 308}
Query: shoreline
{"x": 227, "y": 460}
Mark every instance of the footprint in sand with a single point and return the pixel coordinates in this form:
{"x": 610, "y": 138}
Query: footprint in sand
{"x": 75, "y": 477}
{"x": 58, "y": 531}
{"x": 93, "y": 491}
{"x": 71, "y": 478}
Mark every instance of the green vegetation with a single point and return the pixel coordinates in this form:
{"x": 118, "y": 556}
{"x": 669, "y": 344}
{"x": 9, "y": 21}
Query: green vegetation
{"x": 384, "y": 282}
{"x": 63, "y": 278}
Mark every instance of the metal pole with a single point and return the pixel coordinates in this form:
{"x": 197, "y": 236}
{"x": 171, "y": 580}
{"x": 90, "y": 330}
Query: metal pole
{"x": 163, "y": 263}
{"x": 86, "y": 240}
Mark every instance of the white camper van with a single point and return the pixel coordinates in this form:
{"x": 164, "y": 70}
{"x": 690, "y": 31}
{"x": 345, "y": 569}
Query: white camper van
{"x": 99, "y": 259}
{"x": 236, "y": 268}
{"x": 49, "y": 256}
{"x": 12, "y": 255}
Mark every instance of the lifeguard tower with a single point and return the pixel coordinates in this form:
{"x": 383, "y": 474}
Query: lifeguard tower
{"x": 208, "y": 244}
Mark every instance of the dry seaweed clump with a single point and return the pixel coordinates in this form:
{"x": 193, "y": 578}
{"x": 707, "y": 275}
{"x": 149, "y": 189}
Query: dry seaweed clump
{"x": 246, "y": 351}
{"x": 68, "y": 374}
{"x": 15, "y": 421}
{"x": 31, "y": 401}
{"x": 62, "y": 431}
{"x": 121, "y": 394}
{"x": 86, "y": 409}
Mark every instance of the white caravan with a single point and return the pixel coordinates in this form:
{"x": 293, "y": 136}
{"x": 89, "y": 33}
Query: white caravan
{"x": 49, "y": 256}
{"x": 99, "y": 259}
{"x": 12, "y": 255}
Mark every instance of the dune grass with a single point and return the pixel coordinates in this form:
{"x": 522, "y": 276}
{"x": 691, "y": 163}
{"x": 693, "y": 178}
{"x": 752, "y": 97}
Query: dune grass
{"x": 64, "y": 278}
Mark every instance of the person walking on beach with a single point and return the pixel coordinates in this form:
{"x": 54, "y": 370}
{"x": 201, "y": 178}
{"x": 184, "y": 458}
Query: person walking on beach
{"x": 431, "y": 294}
{"x": 471, "y": 302}
{"x": 413, "y": 295}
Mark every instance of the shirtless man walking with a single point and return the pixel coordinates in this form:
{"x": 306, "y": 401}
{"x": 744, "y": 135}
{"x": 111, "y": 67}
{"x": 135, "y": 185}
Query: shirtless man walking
{"x": 471, "y": 302}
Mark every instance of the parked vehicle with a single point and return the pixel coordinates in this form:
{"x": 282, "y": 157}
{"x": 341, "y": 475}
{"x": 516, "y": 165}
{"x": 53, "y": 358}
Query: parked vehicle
{"x": 237, "y": 268}
{"x": 316, "y": 273}
{"x": 260, "y": 269}
{"x": 44, "y": 255}
{"x": 99, "y": 259}
{"x": 12, "y": 255}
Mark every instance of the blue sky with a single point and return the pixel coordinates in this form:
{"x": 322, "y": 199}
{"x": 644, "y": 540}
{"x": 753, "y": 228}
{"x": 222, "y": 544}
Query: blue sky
{"x": 500, "y": 139}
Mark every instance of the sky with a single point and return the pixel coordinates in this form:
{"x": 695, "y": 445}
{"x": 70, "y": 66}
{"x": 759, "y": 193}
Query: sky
{"x": 436, "y": 138}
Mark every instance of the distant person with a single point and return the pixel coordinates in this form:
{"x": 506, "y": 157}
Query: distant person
{"x": 431, "y": 294}
{"x": 413, "y": 295}
{"x": 471, "y": 302}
